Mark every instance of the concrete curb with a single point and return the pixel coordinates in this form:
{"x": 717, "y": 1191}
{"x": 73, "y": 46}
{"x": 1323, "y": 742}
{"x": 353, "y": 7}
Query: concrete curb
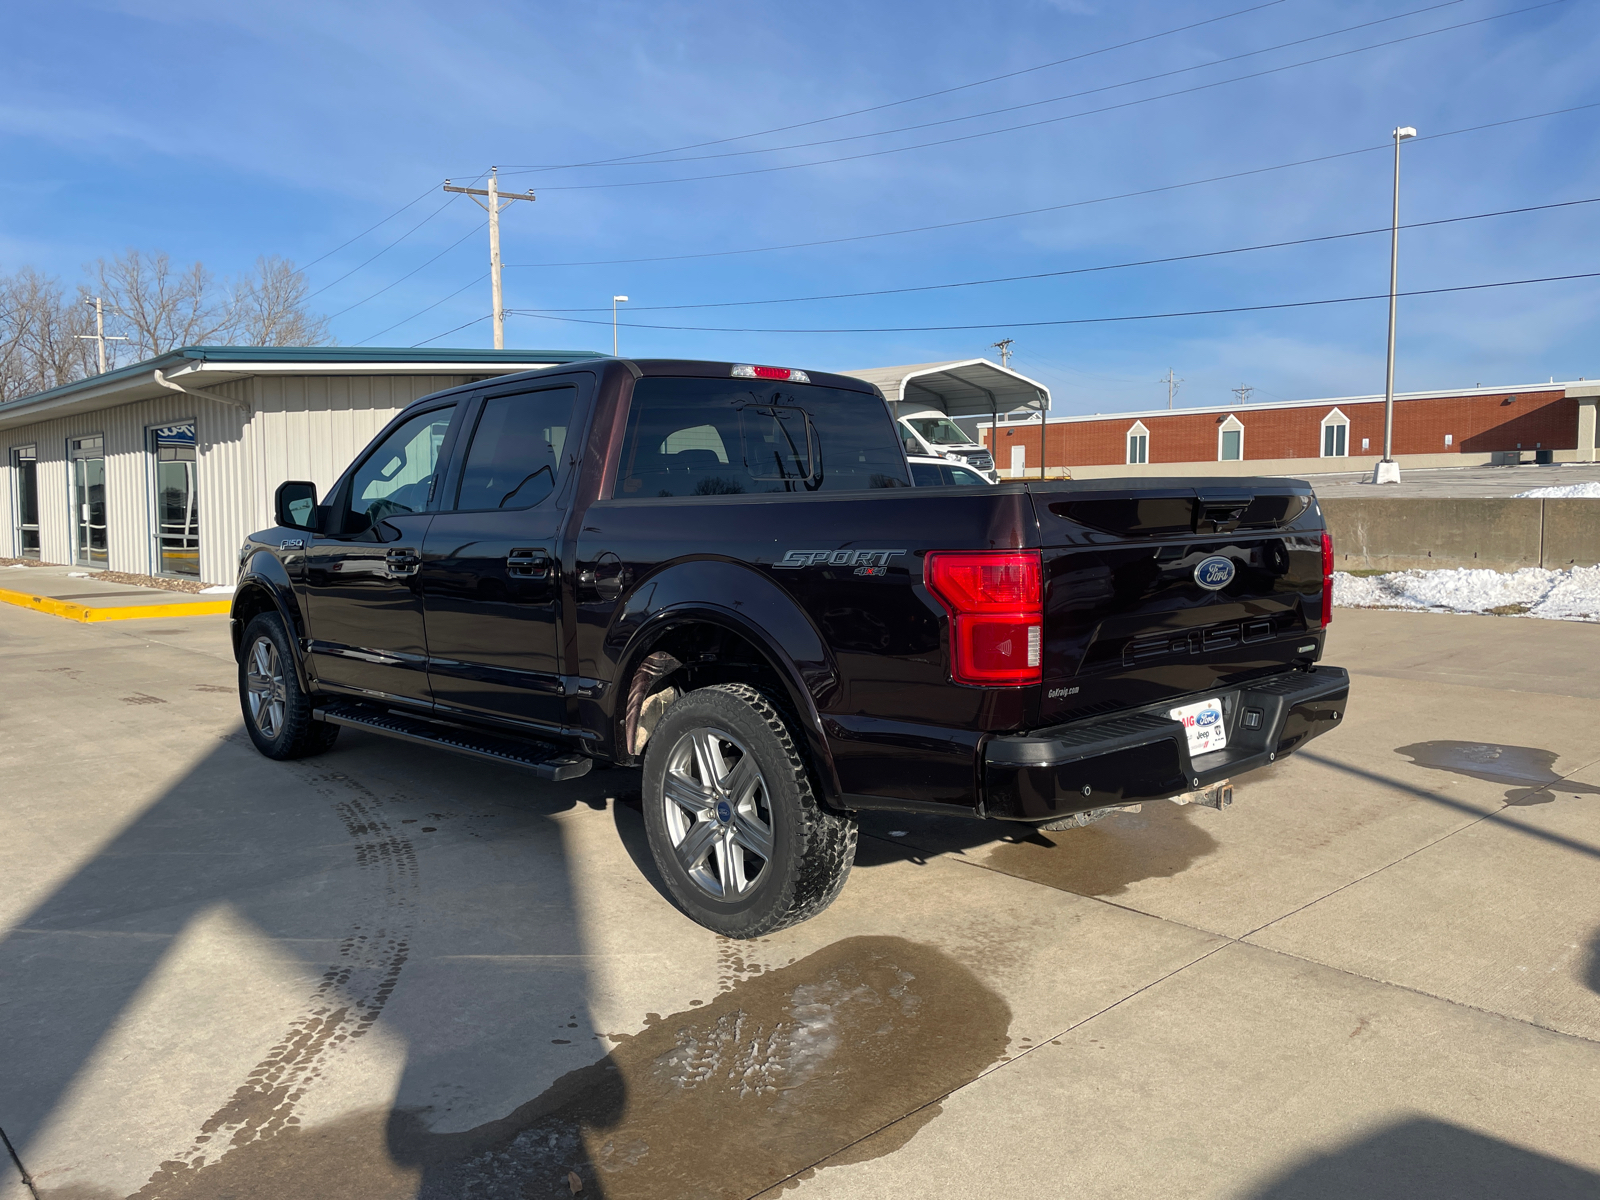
{"x": 128, "y": 612}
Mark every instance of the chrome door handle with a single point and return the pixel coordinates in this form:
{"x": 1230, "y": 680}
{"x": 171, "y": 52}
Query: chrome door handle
{"x": 528, "y": 564}
{"x": 402, "y": 562}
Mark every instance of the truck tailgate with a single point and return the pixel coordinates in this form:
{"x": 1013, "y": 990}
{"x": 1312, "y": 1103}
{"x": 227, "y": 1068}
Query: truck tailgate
{"x": 1138, "y": 607}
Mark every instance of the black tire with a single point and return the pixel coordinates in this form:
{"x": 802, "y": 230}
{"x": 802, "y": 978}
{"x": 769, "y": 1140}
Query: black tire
{"x": 729, "y": 886}
{"x": 277, "y": 712}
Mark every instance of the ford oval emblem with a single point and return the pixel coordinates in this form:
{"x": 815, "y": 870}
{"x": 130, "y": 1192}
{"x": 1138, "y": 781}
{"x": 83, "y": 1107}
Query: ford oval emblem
{"x": 1214, "y": 573}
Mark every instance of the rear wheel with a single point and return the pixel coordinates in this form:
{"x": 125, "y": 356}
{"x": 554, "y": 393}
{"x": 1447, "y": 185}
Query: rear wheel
{"x": 277, "y": 712}
{"x": 734, "y": 824}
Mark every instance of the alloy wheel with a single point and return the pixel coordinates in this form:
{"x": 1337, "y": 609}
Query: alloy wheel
{"x": 266, "y": 689}
{"x": 718, "y": 814}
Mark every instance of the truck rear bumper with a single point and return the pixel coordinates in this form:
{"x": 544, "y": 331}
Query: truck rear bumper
{"x": 1144, "y": 755}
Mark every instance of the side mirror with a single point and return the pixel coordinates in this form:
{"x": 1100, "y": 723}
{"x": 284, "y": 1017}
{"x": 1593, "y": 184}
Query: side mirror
{"x": 295, "y": 506}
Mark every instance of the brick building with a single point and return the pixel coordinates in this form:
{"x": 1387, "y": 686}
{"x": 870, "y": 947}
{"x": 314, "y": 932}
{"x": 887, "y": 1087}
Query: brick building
{"x": 1463, "y": 428}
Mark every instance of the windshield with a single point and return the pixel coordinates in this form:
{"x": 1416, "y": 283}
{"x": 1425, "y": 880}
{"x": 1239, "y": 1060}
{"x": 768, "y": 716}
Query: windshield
{"x": 939, "y": 431}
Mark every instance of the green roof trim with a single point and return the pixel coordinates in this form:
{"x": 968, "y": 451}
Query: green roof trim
{"x": 312, "y": 357}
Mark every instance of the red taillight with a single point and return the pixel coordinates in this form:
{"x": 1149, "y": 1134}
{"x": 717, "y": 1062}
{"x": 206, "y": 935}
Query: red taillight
{"x": 996, "y": 604}
{"x": 1327, "y": 578}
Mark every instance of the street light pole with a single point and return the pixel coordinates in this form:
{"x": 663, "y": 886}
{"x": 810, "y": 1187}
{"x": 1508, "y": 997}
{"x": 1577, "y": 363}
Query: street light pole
{"x": 615, "y": 300}
{"x": 1388, "y": 471}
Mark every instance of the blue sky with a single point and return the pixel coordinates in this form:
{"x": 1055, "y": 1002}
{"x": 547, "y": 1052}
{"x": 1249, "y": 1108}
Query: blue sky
{"x": 222, "y": 132}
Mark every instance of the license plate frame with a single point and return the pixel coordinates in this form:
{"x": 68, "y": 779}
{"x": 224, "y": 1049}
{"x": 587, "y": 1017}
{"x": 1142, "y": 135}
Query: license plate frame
{"x": 1205, "y": 737}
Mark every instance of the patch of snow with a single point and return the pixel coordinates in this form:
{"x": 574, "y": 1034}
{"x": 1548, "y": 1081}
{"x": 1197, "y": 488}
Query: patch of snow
{"x": 1570, "y": 595}
{"x": 221, "y": 589}
{"x": 1589, "y": 490}
{"x": 79, "y": 575}
{"x": 17, "y": 567}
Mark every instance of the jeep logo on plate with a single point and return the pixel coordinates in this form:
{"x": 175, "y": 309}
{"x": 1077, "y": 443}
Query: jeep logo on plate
{"x": 1214, "y": 573}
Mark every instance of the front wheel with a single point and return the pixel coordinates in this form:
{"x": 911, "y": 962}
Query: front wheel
{"x": 734, "y": 824}
{"x": 277, "y": 712}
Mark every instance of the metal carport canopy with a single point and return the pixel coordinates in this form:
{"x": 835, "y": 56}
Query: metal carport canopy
{"x": 969, "y": 387}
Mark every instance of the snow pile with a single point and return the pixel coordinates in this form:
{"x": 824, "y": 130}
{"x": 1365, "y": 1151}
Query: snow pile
{"x": 221, "y": 589}
{"x": 1590, "y": 490}
{"x": 1570, "y": 595}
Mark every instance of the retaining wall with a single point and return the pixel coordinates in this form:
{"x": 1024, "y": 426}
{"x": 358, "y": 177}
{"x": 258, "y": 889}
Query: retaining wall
{"x": 1395, "y": 534}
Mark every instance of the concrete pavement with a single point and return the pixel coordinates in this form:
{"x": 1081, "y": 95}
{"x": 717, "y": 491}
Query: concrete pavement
{"x": 390, "y": 972}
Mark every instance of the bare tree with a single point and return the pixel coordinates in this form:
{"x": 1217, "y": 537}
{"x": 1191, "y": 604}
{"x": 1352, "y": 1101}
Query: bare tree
{"x": 270, "y": 308}
{"x": 162, "y": 308}
{"x": 40, "y": 347}
{"x": 156, "y": 305}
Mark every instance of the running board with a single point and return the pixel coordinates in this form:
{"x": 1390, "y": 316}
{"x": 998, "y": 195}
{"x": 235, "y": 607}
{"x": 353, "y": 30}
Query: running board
{"x": 545, "y": 759}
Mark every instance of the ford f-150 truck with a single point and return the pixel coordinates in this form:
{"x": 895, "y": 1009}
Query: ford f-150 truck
{"x": 721, "y": 573}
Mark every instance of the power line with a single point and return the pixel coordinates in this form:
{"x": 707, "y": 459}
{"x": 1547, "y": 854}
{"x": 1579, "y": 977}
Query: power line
{"x": 1217, "y": 62}
{"x": 448, "y": 332}
{"x": 1144, "y": 262}
{"x": 1033, "y": 212}
{"x": 1199, "y": 87}
{"x": 430, "y": 308}
{"x": 367, "y": 230}
{"x": 913, "y": 99}
{"x": 389, "y": 247}
{"x": 1204, "y": 312}
{"x": 411, "y": 272}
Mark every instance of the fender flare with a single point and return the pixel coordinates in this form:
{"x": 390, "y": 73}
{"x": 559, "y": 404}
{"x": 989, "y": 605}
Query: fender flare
{"x": 265, "y": 575}
{"x": 748, "y": 605}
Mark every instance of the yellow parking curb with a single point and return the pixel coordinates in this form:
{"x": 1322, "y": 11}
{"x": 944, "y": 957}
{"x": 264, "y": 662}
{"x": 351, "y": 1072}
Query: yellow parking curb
{"x": 128, "y": 612}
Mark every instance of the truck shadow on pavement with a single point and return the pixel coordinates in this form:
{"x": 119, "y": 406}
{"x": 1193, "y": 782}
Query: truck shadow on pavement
{"x": 421, "y": 906}
{"x": 1428, "y": 1159}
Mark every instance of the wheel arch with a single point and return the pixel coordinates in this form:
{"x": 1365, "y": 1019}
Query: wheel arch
{"x": 688, "y": 631}
{"x": 264, "y": 587}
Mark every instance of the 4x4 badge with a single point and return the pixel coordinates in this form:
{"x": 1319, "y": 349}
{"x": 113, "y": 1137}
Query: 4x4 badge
{"x": 864, "y": 562}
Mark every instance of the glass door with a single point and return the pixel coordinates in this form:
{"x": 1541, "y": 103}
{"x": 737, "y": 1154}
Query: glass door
{"x": 25, "y": 465}
{"x": 89, "y": 499}
{"x": 177, "y": 502}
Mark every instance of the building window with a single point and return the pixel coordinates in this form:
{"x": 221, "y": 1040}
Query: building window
{"x": 1230, "y": 440}
{"x": 177, "y": 501}
{"x": 1138, "y": 444}
{"x": 91, "y": 546}
{"x": 25, "y": 470}
{"x": 1336, "y": 435}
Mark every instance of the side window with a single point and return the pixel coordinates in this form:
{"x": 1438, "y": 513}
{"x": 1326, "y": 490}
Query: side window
{"x": 398, "y": 476}
{"x": 516, "y": 454}
{"x": 927, "y": 475}
{"x": 966, "y": 478}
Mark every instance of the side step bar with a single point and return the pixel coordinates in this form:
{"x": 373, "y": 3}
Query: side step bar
{"x": 547, "y": 760}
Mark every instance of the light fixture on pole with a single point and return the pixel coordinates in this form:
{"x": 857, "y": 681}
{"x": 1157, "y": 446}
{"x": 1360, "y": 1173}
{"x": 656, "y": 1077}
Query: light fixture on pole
{"x": 615, "y": 300}
{"x": 1387, "y": 470}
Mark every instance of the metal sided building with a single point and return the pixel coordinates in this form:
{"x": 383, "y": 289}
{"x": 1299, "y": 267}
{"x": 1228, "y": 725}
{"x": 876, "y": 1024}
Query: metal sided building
{"x": 163, "y": 467}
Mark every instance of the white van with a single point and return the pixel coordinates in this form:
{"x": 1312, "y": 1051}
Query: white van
{"x": 931, "y": 434}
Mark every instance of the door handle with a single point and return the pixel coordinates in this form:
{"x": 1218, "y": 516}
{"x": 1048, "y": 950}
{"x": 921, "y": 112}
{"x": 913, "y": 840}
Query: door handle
{"x": 402, "y": 562}
{"x": 528, "y": 564}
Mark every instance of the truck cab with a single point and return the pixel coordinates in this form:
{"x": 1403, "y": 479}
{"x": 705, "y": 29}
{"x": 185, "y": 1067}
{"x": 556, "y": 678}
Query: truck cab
{"x": 931, "y": 434}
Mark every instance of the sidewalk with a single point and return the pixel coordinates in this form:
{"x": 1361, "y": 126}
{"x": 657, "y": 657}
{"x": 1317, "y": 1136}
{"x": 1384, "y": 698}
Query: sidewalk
{"x": 76, "y": 593}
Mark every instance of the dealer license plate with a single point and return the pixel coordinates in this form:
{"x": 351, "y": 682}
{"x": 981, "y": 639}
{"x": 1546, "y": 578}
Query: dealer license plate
{"x": 1203, "y": 723}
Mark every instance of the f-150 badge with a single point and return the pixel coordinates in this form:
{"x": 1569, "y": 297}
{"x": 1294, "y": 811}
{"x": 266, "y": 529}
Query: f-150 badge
{"x": 864, "y": 562}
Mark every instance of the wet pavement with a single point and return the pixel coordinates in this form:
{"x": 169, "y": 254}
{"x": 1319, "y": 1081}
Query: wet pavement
{"x": 388, "y": 972}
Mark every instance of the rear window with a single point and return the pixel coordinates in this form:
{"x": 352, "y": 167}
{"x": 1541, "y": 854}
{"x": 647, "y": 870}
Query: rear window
{"x": 712, "y": 437}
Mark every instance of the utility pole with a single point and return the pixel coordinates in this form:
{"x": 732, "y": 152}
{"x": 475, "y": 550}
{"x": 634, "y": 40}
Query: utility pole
{"x": 1004, "y": 346}
{"x": 1388, "y": 471}
{"x": 1173, "y": 383}
{"x": 497, "y": 201}
{"x": 98, "y": 337}
{"x": 1243, "y": 391}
